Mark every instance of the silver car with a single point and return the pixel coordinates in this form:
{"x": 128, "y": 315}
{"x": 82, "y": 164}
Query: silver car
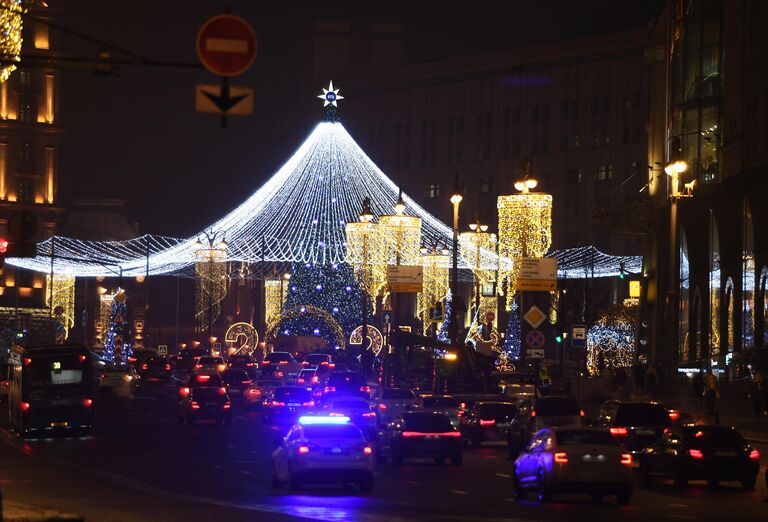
{"x": 323, "y": 449}
{"x": 574, "y": 460}
{"x": 445, "y": 404}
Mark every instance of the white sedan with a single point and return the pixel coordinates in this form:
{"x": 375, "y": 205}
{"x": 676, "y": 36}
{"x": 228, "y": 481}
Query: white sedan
{"x": 574, "y": 461}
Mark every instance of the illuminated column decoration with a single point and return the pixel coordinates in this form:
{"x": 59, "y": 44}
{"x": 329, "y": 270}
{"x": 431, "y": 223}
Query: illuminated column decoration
{"x": 49, "y": 99}
{"x": 3, "y": 167}
{"x": 435, "y": 270}
{"x": 50, "y": 173}
{"x": 63, "y": 308}
{"x": 525, "y": 230}
{"x": 4, "y": 101}
{"x": 10, "y": 36}
{"x": 478, "y": 250}
{"x": 210, "y": 283}
{"x": 402, "y": 237}
{"x": 273, "y": 301}
{"x": 367, "y": 253}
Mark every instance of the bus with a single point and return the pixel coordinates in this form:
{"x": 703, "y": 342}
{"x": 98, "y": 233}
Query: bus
{"x": 51, "y": 390}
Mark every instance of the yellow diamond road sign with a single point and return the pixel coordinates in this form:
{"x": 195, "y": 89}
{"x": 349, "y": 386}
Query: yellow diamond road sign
{"x": 534, "y": 316}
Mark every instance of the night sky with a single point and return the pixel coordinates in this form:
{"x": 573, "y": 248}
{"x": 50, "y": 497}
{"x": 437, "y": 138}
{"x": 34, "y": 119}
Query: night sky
{"x": 135, "y": 135}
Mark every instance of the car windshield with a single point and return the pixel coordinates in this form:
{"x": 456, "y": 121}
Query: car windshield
{"x": 292, "y": 394}
{"x": 713, "y": 437}
{"x": 332, "y": 431}
{"x": 56, "y": 370}
{"x": 393, "y": 393}
{"x": 440, "y": 402}
{"x": 279, "y": 356}
{"x": 557, "y": 406}
{"x": 236, "y": 376}
{"x": 497, "y": 409}
{"x": 585, "y": 437}
{"x": 642, "y": 414}
{"x": 350, "y": 379}
{"x": 427, "y": 422}
{"x": 351, "y": 405}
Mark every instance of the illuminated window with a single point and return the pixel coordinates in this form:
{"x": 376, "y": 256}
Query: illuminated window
{"x": 573, "y": 176}
{"x": 25, "y": 78}
{"x": 432, "y": 191}
{"x": 42, "y": 38}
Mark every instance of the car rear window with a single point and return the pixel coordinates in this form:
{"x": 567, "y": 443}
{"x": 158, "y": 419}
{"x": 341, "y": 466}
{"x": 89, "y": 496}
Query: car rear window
{"x": 306, "y": 373}
{"x": 293, "y": 394}
{"x": 207, "y": 360}
{"x": 427, "y": 422}
{"x": 585, "y": 437}
{"x": 339, "y": 379}
{"x": 440, "y": 402}
{"x": 207, "y": 394}
{"x": 397, "y": 394}
{"x": 239, "y": 358}
{"x": 236, "y": 376}
{"x": 56, "y": 370}
{"x": 712, "y": 437}
{"x": 316, "y": 358}
{"x": 557, "y": 406}
{"x": 332, "y": 431}
{"x": 351, "y": 405}
{"x": 156, "y": 360}
{"x": 642, "y": 414}
{"x": 279, "y": 356}
{"x": 497, "y": 410}
{"x": 269, "y": 382}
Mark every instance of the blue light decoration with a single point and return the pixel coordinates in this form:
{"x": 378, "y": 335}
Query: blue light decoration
{"x": 611, "y": 340}
{"x": 308, "y": 420}
{"x": 331, "y": 287}
{"x": 512, "y": 335}
{"x": 117, "y": 347}
{"x": 442, "y": 335}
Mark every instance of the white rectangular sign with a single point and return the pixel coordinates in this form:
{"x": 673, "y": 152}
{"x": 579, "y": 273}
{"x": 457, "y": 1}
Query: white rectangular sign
{"x": 538, "y": 274}
{"x": 405, "y": 279}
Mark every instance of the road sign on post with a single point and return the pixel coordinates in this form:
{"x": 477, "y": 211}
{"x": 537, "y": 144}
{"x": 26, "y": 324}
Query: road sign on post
{"x": 405, "y": 279}
{"x": 578, "y": 336}
{"x": 210, "y": 98}
{"x": 535, "y": 354}
{"x": 162, "y": 349}
{"x": 226, "y": 45}
{"x": 536, "y": 274}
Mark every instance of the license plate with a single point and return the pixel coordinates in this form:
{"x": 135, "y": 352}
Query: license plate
{"x": 726, "y": 454}
{"x": 645, "y": 432}
{"x": 59, "y": 424}
{"x": 502, "y": 425}
{"x": 210, "y": 404}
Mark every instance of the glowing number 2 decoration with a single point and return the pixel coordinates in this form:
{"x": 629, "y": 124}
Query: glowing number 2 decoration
{"x": 374, "y": 336}
{"x": 243, "y": 337}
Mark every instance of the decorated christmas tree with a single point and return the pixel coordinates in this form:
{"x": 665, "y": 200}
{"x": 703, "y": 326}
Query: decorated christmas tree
{"x": 511, "y": 344}
{"x": 442, "y": 335}
{"x": 117, "y": 347}
{"x": 330, "y": 287}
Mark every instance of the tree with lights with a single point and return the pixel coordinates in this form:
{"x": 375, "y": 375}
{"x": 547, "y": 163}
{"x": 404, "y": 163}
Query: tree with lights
{"x": 442, "y": 335}
{"x": 611, "y": 340}
{"x": 512, "y": 335}
{"x": 117, "y": 347}
{"x": 330, "y": 287}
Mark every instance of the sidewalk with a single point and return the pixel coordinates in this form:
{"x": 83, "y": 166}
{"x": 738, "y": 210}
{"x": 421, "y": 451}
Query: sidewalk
{"x": 15, "y": 512}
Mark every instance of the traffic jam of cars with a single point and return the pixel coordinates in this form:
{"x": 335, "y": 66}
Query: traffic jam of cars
{"x": 335, "y": 426}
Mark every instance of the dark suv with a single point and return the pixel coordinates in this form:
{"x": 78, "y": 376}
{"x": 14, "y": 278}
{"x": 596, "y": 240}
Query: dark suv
{"x": 636, "y": 425}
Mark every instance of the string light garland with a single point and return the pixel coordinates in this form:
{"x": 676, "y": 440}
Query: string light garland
{"x": 512, "y": 335}
{"x": 435, "y": 286}
{"x": 11, "y": 23}
{"x": 374, "y": 336}
{"x": 368, "y": 255}
{"x": 273, "y": 299}
{"x": 611, "y": 340}
{"x": 117, "y": 346}
{"x": 210, "y": 284}
{"x": 274, "y": 328}
{"x": 476, "y": 248}
{"x": 63, "y": 307}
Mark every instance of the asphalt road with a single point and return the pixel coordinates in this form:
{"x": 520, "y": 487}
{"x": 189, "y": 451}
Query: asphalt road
{"x": 140, "y": 465}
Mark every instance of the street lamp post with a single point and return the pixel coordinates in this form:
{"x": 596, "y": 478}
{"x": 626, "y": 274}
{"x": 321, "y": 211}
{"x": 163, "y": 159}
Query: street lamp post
{"x": 479, "y": 230}
{"x": 366, "y": 216}
{"x": 453, "y": 330}
{"x": 286, "y": 277}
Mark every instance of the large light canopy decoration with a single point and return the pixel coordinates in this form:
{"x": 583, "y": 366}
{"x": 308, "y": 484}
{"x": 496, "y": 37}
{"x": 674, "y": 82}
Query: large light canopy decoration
{"x": 435, "y": 285}
{"x": 525, "y": 230}
{"x": 273, "y": 328}
{"x": 210, "y": 283}
{"x": 11, "y": 12}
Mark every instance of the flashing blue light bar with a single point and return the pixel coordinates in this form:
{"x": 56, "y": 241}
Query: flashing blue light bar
{"x": 318, "y": 419}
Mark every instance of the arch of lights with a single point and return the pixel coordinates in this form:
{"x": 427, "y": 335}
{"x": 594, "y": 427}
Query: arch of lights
{"x": 299, "y": 311}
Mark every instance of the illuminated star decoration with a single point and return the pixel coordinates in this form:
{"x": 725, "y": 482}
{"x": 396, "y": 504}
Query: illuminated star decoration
{"x": 330, "y": 95}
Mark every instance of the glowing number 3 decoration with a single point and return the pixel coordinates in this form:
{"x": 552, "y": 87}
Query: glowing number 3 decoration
{"x": 374, "y": 336}
{"x": 243, "y": 337}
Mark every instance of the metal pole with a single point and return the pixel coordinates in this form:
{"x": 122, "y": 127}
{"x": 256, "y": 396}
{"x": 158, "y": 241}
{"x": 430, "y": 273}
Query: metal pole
{"x": 86, "y": 321}
{"x": 50, "y": 290}
{"x": 146, "y": 295}
{"x": 364, "y": 332}
{"x": 453, "y": 330}
{"x": 668, "y": 356}
{"x": 178, "y": 284}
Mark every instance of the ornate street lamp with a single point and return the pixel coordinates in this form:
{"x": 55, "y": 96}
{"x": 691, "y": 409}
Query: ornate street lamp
{"x": 478, "y": 249}
{"x": 434, "y": 264}
{"x": 453, "y": 326}
{"x": 210, "y": 281}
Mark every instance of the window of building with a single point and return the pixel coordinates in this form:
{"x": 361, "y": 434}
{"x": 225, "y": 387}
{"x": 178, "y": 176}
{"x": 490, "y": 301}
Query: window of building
{"x": 516, "y": 117}
{"x": 684, "y": 302}
{"x": 486, "y": 186}
{"x": 604, "y": 172}
{"x": 544, "y": 146}
{"x": 25, "y": 152}
{"x": 515, "y": 148}
{"x": 487, "y": 153}
{"x": 572, "y": 208}
{"x": 575, "y": 109}
{"x": 432, "y": 158}
{"x": 449, "y": 157}
{"x": 564, "y": 111}
{"x": 595, "y": 139}
{"x": 507, "y": 120}
{"x": 606, "y": 104}
{"x": 748, "y": 281}
{"x": 26, "y": 191}
{"x": 545, "y": 113}
{"x": 505, "y": 149}
{"x": 423, "y": 157}
{"x": 460, "y": 126}
{"x": 25, "y": 78}
{"x": 607, "y": 137}
{"x": 432, "y": 191}
{"x": 535, "y": 114}
{"x": 460, "y": 155}
{"x": 593, "y": 106}
{"x": 488, "y": 120}
{"x": 573, "y": 176}
{"x": 535, "y": 146}
{"x": 478, "y": 121}
{"x": 576, "y": 141}
{"x": 25, "y": 113}
{"x": 627, "y": 102}
{"x": 625, "y": 136}
{"x": 564, "y": 142}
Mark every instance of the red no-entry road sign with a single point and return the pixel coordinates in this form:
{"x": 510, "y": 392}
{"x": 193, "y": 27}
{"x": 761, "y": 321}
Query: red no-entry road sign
{"x": 226, "y": 45}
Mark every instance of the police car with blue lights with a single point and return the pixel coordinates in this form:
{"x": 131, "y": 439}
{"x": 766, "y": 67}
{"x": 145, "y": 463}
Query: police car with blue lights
{"x": 323, "y": 449}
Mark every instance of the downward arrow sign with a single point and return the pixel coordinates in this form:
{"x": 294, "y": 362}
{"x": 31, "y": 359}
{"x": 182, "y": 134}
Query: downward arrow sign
{"x": 224, "y": 101}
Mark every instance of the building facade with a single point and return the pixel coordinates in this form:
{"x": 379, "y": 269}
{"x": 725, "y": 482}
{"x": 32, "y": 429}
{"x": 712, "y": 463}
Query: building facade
{"x": 29, "y": 142}
{"x": 705, "y": 300}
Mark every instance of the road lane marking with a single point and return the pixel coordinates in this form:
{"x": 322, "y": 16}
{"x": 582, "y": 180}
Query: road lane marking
{"x": 413, "y": 482}
{"x": 459, "y": 492}
{"x": 674, "y": 505}
{"x": 502, "y": 475}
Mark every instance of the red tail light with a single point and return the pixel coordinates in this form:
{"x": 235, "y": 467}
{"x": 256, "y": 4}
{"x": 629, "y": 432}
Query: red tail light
{"x": 369, "y": 414}
{"x": 331, "y": 365}
{"x": 619, "y": 432}
{"x": 305, "y": 363}
{"x": 145, "y": 366}
{"x": 581, "y": 412}
{"x": 27, "y": 361}
{"x": 754, "y": 454}
{"x": 249, "y": 365}
{"x": 227, "y": 405}
{"x": 626, "y": 459}
{"x": 409, "y": 434}
{"x": 674, "y": 415}
{"x": 222, "y": 391}
{"x": 277, "y": 403}
{"x": 300, "y": 380}
{"x": 533, "y": 413}
{"x": 303, "y": 450}
{"x": 367, "y": 450}
{"x": 279, "y": 374}
{"x": 195, "y": 405}
{"x": 561, "y": 457}
{"x": 366, "y": 389}
{"x": 490, "y": 422}
{"x": 24, "y": 406}
{"x": 82, "y": 358}
{"x": 87, "y": 403}
{"x": 382, "y": 406}
{"x": 695, "y": 454}
{"x": 315, "y": 379}
{"x": 308, "y": 403}
{"x": 325, "y": 363}
{"x": 167, "y": 367}
{"x": 254, "y": 391}
{"x": 198, "y": 366}
{"x": 329, "y": 389}
{"x": 246, "y": 382}
{"x": 283, "y": 363}
{"x": 265, "y": 363}
{"x": 184, "y": 391}
{"x": 203, "y": 378}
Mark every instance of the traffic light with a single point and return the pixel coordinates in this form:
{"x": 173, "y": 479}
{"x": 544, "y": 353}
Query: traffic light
{"x": 559, "y": 338}
{"x": 622, "y": 272}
